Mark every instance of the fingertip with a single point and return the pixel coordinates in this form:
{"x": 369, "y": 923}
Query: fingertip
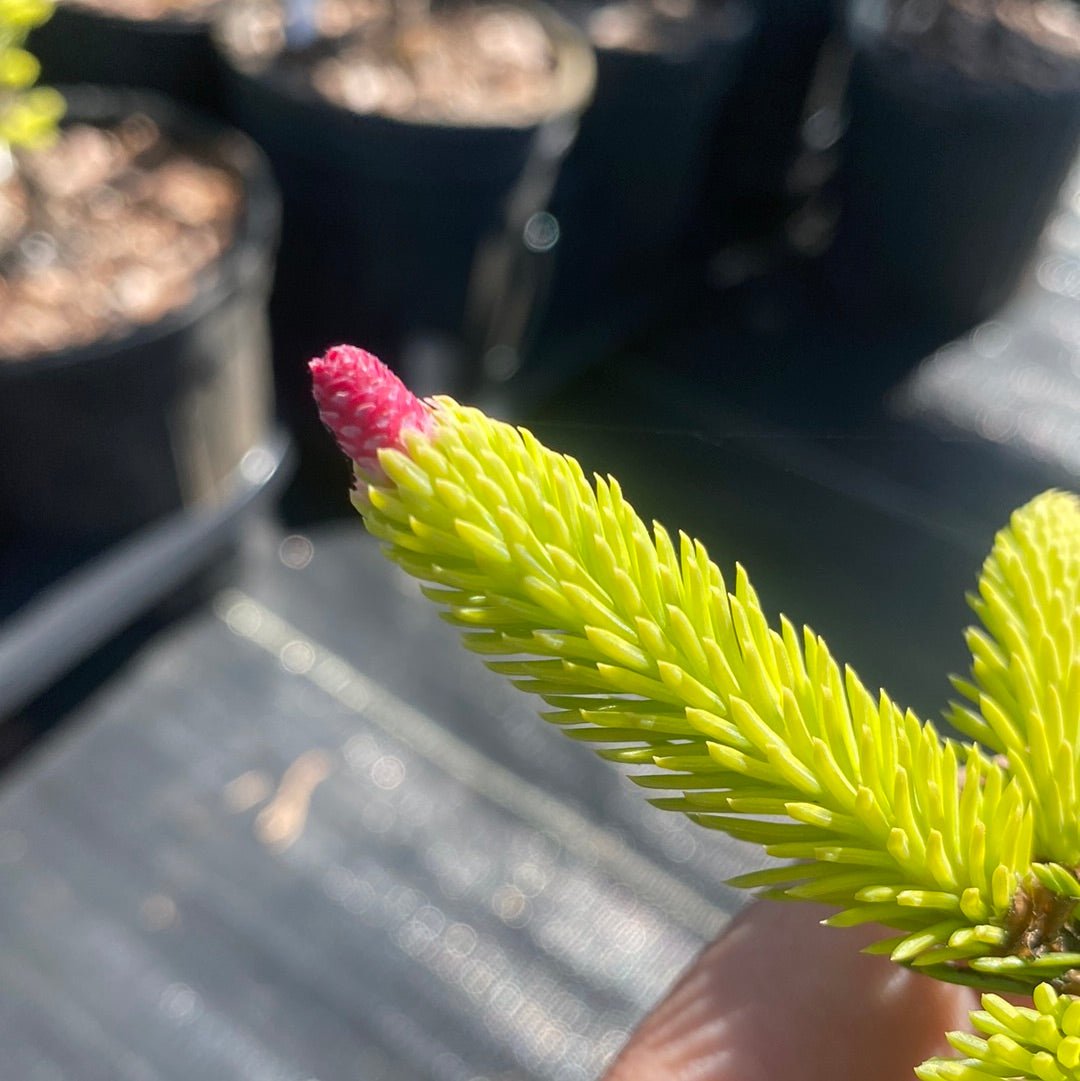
{"x": 778, "y": 995}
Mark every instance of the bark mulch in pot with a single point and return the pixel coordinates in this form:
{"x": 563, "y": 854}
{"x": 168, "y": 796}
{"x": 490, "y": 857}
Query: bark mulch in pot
{"x": 108, "y": 229}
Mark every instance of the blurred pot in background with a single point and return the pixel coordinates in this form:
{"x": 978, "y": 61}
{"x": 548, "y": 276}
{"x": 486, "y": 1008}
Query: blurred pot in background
{"x": 397, "y": 136}
{"x": 135, "y": 263}
{"x": 964, "y": 120}
{"x": 161, "y": 45}
{"x": 755, "y": 139}
{"x": 626, "y": 198}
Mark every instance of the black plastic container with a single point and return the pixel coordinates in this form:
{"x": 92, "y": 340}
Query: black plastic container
{"x": 756, "y": 135}
{"x": 946, "y": 182}
{"x": 171, "y": 56}
{"x": 99, "y": 440}
{"x": 631, "y": 183}
{"x": 382, "y": 220}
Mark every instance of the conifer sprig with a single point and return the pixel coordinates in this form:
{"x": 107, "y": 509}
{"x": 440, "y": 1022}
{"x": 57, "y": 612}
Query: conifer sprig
{"x": 1023, "y": 697}
{"x": 1026, "y": 1043}
{"x": 638, "y": 645}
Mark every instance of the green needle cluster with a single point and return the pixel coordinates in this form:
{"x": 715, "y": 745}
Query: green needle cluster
{"x": 1015, "y": 1042}
{"x": 1023, "y": 698}
{"x": 638, "y": 645}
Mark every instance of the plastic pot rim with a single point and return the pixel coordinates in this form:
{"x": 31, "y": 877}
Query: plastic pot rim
{"x": 577, "y": 84}
{"x": 935, "y": 83}
{"x": 257, "y": 228}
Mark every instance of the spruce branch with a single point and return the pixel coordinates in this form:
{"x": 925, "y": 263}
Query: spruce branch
{"x": 1023, "y": 697}
{"x": 638, "y": 644}
{"x": 1039, "y": 1043}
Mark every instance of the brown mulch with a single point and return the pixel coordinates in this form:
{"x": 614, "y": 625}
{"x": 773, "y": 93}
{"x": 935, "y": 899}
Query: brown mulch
{"x": 1033, "y": 43}
{"x": 640, "y": 26}
{"x": 107, "y": 230}
{"x": 488, "y": 64}
{"x": 150, "y": 10}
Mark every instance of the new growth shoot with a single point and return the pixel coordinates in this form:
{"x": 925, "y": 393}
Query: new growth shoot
{"x": 637, "y": 644}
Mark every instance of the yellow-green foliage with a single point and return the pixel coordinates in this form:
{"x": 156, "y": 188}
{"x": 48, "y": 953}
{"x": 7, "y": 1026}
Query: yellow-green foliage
{"x": 1024, "y": 692}
{"x": 638, "y": 645}
{"x": 1016, "y": 1042}
{"x": 28, "y": 114}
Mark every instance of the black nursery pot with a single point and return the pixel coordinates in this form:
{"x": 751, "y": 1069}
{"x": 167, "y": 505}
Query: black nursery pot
{"x": 382, "y": 217}
{"x": 174, "y": 57}
{"x": 98, "y": 440}
{"x": 631, "y": 182}
{"x": 945, "y": 186}
{"x": 756, "y": 136}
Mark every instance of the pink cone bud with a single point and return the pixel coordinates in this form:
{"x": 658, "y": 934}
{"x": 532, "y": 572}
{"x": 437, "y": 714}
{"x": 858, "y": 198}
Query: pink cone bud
{"x": 364, "y": 404}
